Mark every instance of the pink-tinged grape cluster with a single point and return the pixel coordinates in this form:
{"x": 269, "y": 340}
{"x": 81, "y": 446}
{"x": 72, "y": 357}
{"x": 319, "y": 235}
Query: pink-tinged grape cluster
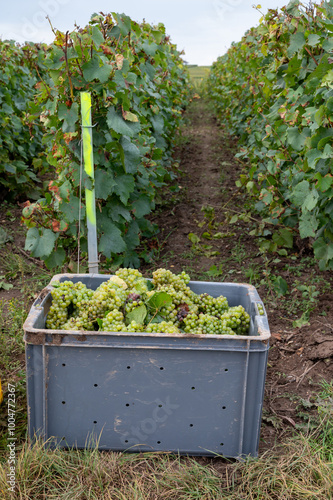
{"x": 133, "y": 300}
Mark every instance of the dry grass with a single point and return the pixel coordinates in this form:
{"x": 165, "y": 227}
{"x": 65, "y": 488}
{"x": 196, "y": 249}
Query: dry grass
{"x": 297, "y": 470}
{"x": 300, "y": 472}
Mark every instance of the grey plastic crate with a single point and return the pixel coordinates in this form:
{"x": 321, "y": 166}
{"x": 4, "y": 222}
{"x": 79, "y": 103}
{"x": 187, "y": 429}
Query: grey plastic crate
{"x": 188, "y": 394}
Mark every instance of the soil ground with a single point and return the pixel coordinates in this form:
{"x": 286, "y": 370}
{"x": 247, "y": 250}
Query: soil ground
{"x": 196, "y": 235}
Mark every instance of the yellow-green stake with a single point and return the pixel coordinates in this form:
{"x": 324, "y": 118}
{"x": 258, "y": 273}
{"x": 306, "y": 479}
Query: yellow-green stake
{"x": 88, "y": 159}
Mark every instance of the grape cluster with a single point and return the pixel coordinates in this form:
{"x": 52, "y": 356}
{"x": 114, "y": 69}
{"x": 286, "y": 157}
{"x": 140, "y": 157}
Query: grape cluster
{"x": 165, "y": 277}
{"x": 77, "y": 324}
{"x": 182, "y": 311}
{"x": 112, "y": 307}
{"x": 237, "y": 319}
{"x": 176, "y": 287}
{"x": 130, "y": 276}
{"x": 134, "y": 327}
{"x": 215, "y": 306}
{"x": 162, "y": 327}
{"x": 205, "y": 324}
{"x": 114, "y": 322}
{"x": 106, "y": 297}
{"x": 133, "y": 300}
{"x": 67, "y": 300}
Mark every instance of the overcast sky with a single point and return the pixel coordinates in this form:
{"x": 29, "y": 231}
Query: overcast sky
{"x": 204, "y": 29}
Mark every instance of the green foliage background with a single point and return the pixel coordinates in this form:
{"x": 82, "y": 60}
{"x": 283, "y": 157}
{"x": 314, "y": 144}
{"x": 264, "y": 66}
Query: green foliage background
{"x": 274, "y": 89}
{"x": 20, "y": 129}
{"x": 139, "y": 87}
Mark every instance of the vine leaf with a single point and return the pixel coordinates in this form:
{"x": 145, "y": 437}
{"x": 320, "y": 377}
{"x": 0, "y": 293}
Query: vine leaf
{"x": 308, "y": 225}
{"x": 45, "y": 244}
{"x": 159, "y": 300}
{"x": 111, "y": 241}
{"x": 124, "y": 187}
{"x": 69, "y": 116}
{"x": 138, "y": 314}
{"x": 32, "y": 239}
{"x": 297, "y": 42}
{"x": 97, "y": 36}
{"x": 93, "y": 71}
{"x": 119, "y": 125}
{"x": 104, "y": 183}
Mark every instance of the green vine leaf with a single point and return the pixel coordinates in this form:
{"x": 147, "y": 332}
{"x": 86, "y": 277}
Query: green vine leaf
{"x": 119, "y": 125}
{"x": 159, "y": 300}
{"x": 138, "y": 314}
{"x": 92, "y": 70}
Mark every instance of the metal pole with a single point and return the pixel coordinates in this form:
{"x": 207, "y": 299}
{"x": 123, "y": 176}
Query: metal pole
{"x": 89, "y": 169}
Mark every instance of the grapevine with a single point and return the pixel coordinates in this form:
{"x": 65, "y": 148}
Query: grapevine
{"x": 128, "y": 302}
{"x": 273, "y": 90}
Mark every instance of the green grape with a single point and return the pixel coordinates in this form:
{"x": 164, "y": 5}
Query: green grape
{"x": 76, "y": 324}
{"x": 205, "y": 324}
{"x": 163, "y": 327}
{"x": 134, "y": 327}
{"x": 114, "y": 322}
{"x": 65, "y": 297}
{"x": 163, "y": 277}
{"x": 130, "y": 276}
{"x": 106, "y": 297}
{"x": 133, "y": 300}
{"x": 212, "y": 305}
{"x": 237, "y": 319}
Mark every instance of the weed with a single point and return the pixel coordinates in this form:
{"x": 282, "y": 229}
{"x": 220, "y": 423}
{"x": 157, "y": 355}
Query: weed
{"x": 215, "y": 272}
{"x": 4, "y": 285}
{"x": 252, "y": 274}
{"x": 12, "y": 316}
{"x": 239, "y": 253}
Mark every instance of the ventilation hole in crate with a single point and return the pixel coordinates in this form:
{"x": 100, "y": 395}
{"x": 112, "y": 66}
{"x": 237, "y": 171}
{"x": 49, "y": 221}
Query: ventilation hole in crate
{"x": 191, "y": 425}
{"x": 63, "y": 402}
{"x": 95, "y": 421}
{"x": 126, "y": 440}
{"x": 128, "y": 367}
{"x": 158, "y": 442}
{"x": 95, "y": 385}
{"x": 221, "y": 444}
{"x": 226, "y": 369}
{"x": 223, "y": 407}
{"x": 162, "y": 368}
{"x": 64, "y": 364}
{"x": 160, "y": 406}
{"x": 192, "y": 388}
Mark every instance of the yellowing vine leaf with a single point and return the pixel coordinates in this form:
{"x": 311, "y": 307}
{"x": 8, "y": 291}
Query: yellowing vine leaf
{"x": 131, "y": 117}
{"x": 119, "y": 61}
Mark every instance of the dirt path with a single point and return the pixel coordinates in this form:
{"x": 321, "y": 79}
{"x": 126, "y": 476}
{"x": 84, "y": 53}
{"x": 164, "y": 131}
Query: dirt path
{"x": 299, "y": 358}
{"x": 208, "y": 179}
